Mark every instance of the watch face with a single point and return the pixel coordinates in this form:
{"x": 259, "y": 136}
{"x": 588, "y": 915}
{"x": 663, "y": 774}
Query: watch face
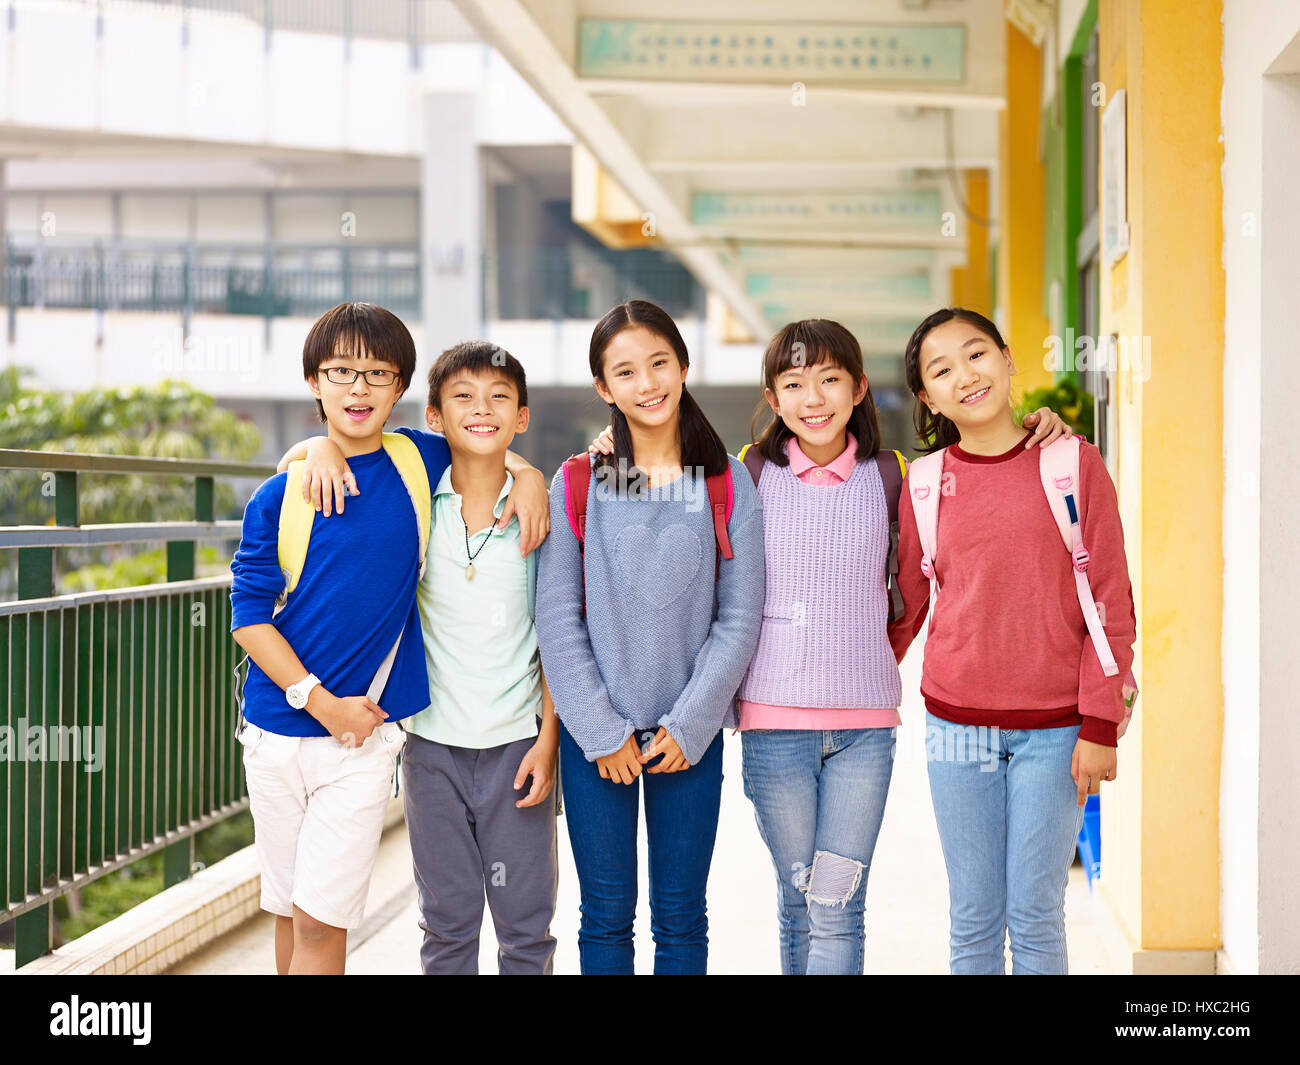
{"x": 294, "y": 695}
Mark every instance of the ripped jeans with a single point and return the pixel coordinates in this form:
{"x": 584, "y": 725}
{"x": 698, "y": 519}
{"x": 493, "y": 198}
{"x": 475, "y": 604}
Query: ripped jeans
{"x": 819, "y": 797}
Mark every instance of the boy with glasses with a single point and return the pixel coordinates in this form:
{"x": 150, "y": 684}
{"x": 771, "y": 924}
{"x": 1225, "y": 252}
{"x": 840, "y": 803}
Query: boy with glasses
{"x": 336, "y": 656}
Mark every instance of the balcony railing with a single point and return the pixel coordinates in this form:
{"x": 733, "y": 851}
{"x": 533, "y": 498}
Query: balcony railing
{"x": 179, "y": 279}
{"x": 532, "y": 283}
{"x": 117, "y": 707}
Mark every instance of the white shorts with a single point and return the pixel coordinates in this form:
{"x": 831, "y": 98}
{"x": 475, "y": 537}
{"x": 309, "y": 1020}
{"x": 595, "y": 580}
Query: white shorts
{"x": 318, "y": 812}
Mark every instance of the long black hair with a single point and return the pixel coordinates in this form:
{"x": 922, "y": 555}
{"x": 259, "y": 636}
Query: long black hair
{"x": 808, "y": 343}
{"x": 934, "y": 431}
{"x": 701, "y": 446}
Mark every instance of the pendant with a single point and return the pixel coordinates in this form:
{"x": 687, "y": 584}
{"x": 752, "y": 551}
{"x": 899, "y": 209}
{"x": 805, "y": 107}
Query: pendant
{"x": 469, "y": 572}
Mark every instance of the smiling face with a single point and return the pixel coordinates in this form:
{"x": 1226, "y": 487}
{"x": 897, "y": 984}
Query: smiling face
{"x": 816, "y": 402}
{"x": 965, "y": 377}
{"x": 642, "y": 377}
{"x": 356, "y": 412}
{"x": 480, "y": 412}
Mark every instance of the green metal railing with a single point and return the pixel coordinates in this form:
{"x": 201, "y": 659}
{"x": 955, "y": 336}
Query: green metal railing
{"x": 117, "y": 708}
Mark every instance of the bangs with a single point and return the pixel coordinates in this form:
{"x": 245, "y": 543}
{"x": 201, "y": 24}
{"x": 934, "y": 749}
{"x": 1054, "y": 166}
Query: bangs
{"x": 811, "y": 343}
{"x": 476, "y": 357}
{"x": 360, "y": 331}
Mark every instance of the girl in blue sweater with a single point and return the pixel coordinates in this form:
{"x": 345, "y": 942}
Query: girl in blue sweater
{"x": 645, "y": 675}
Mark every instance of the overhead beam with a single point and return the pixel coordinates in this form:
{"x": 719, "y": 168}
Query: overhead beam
{"x": 822, "y": 138}
{"x": 514, "y": 30}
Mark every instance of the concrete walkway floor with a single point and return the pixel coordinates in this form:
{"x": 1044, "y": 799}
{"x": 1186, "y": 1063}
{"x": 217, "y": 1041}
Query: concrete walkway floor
{"x": 907, "y": 893}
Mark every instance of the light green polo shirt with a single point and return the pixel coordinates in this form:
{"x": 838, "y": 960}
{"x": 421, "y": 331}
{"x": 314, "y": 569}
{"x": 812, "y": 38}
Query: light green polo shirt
{"x": 480, "y": 645}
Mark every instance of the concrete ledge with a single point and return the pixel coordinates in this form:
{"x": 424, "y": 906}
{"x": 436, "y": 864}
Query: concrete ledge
{"x": 1173, "y": 962}
{"x": 175, "y": 923}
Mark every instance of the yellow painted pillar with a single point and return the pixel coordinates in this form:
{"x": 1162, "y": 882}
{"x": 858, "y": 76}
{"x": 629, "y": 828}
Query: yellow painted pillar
{"x": 1021, "y": 206}
{"x": 978, "y": 291}
{"x": 1160, "y": 823}
{"x": 969, "y": 284}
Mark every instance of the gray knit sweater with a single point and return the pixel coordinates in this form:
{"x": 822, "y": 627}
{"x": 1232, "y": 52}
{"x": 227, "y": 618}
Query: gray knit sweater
{"x": 661, "y": 645}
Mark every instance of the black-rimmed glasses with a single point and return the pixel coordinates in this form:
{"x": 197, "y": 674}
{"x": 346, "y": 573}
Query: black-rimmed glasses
{"x": 345, "y": 375}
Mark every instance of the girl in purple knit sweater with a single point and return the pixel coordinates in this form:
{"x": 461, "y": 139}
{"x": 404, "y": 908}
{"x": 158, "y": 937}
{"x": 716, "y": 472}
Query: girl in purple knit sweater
{"x": 818, "y": 708}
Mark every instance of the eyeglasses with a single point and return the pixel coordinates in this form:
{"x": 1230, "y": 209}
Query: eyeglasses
{"x": 345, "y": 375}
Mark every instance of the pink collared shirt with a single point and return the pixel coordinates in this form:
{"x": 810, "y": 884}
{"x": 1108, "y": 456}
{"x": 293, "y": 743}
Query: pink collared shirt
{"x": 764, "y": 716}
{"x": 836, "y": 472}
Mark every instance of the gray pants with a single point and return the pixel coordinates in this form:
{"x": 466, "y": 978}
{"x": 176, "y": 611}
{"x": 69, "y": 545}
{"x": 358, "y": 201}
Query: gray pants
{"x": 467, "y": 836}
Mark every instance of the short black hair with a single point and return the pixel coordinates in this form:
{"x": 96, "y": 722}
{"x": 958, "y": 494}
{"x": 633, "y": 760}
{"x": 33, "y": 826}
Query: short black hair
{"x": 363, "y": 330}
{"x": 475, "y": 356}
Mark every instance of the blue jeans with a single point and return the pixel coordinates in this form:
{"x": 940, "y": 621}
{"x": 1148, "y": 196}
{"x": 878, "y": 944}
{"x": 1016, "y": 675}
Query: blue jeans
{"x": 1008, "y": 816}
{"x": 819, "y": 797}
{"x": 681, "y": 813}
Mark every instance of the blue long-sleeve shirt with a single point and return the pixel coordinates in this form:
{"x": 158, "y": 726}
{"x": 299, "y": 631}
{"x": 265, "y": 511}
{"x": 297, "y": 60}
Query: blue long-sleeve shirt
{"x": 356, "y": 591}
{"x": 658, "y": 646}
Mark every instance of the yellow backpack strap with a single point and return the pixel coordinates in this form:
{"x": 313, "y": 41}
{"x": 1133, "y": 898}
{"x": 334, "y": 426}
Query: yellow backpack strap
{"x": 741, "y": 456}
{"x": 410, "y": 465}
{"x": 296, "y": 518}
{"x": 902, "y": 463}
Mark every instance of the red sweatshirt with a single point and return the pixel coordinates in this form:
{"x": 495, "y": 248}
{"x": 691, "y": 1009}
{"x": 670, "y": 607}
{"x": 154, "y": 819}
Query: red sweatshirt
{"x": 1008, "y": 646}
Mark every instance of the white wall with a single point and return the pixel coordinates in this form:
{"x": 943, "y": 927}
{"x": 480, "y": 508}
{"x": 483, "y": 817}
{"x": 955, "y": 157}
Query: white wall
{"x": 226, "y": 88}
{"x": 1254, "y": 835}
{"x": 1279, "y": 613}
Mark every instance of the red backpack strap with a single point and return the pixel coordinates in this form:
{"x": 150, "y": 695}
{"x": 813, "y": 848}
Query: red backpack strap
{"x": 577, "y": 479}
{"x": 720, "y": 501}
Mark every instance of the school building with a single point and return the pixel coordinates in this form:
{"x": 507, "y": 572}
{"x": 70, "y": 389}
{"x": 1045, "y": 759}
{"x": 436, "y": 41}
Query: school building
{"x": 1111, "y": 180}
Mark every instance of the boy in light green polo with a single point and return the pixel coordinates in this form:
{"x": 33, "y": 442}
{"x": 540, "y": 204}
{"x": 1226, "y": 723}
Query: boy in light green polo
{"x": 479, "y": 762}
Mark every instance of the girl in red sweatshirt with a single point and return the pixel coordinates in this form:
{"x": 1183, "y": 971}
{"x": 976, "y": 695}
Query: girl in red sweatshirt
{"x": 1021, "y": 719}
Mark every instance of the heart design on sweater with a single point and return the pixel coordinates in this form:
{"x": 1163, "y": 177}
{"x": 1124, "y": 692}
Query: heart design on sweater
{"x": 660, "y": 567}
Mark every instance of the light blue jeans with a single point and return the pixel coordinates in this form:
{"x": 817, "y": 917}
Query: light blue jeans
{"x": 819, "y": 797}
{"x": 1008, "y": 816}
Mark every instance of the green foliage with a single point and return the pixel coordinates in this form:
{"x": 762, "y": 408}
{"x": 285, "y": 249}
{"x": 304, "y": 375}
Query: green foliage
{"x": 167, "y": 420}
{"x": 108, "y": 897}
{"x": 1066, "y": 398}
{"x": 143, "y": 567}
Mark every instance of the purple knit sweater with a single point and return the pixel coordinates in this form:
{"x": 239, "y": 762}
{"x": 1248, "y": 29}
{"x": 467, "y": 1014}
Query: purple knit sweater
{"x": 823, "y": 641}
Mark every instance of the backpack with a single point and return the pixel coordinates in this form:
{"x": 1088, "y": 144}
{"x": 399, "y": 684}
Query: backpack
{"x": 577, "y": 480}
{"x": 1058, "y": 470}
{"x": 891, "y": 476}
{"x": 298, "y": 515}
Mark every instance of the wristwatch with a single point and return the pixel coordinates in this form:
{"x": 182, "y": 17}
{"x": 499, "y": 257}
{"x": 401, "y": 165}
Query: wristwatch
{"x": 297, "y": 693}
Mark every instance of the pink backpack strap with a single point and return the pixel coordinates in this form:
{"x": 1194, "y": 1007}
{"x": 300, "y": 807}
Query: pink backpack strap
{"x": 1058, "y": 469}
{"x": 924, "y": 479}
